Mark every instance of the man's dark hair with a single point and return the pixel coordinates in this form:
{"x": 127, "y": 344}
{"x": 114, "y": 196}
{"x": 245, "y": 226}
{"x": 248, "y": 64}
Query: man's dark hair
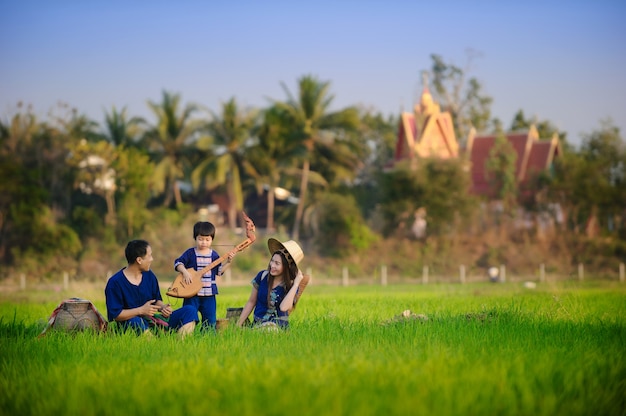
{"x": 134, "y": 249}
{"x": 203, "y": 228}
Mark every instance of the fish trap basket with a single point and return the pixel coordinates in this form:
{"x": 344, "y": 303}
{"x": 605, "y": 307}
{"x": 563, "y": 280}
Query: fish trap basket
{"x": 76, "y": 316}
{"x": 233, "y": 314}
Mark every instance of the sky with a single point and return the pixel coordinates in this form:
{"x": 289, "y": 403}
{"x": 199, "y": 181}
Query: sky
{"x": 563, "y": 61}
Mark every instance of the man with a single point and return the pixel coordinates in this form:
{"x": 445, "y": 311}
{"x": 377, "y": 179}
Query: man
{"x": 133, "y": 296}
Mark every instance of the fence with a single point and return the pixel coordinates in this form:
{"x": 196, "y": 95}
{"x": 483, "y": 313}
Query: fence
{"x": 383, "y": 278}
{"x": 380, "y": 276}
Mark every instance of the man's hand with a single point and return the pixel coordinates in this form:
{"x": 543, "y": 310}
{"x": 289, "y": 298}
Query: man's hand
{"x": 149, "y": 308}
{"x": 166, "y": 310}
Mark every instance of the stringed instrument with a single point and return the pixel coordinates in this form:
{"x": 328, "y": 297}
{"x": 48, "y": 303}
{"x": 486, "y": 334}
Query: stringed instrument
{"x": 180, "y": 289}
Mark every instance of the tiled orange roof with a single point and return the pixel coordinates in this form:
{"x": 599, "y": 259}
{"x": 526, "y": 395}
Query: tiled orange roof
{"x": 406, "y": 134}
{"x": 541, "y": 156}
{"x": 479, "y": 153}
{"x": 533, "y": 155}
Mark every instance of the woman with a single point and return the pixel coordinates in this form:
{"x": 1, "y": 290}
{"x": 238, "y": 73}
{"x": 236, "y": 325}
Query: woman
{"x": 274, "y": 291}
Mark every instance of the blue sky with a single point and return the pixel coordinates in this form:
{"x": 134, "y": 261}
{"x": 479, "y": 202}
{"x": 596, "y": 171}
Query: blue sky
{"x": 562, "y": 61}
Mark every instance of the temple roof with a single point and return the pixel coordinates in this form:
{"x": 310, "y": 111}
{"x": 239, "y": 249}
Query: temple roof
{"x": 533, "y": 155}
{"x": 427, "y": 132}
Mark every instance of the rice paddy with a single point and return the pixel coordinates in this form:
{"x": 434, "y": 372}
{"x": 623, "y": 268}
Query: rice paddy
{"x": 474, "y": 349}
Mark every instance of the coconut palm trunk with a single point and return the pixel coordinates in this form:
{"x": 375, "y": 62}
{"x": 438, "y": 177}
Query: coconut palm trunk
{"x": 111, "y": 217}
{"x": 304, "y": 183}
{"x": 232, "y": 207}
{"x": 271, "y": 203}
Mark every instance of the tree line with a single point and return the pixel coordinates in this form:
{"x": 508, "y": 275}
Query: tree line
{"x": 68, "y": 179}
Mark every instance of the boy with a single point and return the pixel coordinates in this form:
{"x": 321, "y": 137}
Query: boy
{"x": 133, "y": 295}
{"x": 197, "y": 258}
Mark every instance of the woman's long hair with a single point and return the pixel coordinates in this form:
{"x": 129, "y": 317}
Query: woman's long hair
{"x": 289, "y": 275}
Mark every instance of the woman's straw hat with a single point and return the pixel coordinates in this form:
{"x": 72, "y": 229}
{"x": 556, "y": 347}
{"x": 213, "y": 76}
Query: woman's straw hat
{"x": 290, "y": 249}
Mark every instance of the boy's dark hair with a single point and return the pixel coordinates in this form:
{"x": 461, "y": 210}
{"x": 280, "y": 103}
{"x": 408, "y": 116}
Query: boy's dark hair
{"x": 134, "y": 249}
{"x": 203, "y": 228}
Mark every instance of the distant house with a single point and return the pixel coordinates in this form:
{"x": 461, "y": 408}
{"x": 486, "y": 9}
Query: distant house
{"x": 533, "y": 156}
{"x": 428, "y": 132}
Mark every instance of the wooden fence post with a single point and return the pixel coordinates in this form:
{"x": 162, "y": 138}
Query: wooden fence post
{"x": 66, "y": 281}
{"x": 542, "y": 272}
{"x": 503, "y": 273}
{"x": 425, "y": 275}
{"x": 383, "y": 275}
{"x": 344, "y": 276}
{"x": 22, "y": 281}
{"x": 621, "y": 272}
{"x": 462, "y": 273}
{"x": 581, "y": 272}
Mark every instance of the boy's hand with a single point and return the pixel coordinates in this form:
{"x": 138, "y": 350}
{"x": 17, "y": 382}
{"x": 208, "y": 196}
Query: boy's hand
{"x": 187, "y": 277}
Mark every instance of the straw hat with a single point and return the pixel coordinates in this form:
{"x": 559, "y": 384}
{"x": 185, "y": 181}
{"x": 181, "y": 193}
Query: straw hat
{"x": 290, "y": 249}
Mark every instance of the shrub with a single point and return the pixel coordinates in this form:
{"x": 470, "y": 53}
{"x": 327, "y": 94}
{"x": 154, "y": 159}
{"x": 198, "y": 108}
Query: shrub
{"x": 340, "y": 226}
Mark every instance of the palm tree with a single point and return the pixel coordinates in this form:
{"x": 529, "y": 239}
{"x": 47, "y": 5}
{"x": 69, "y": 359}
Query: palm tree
{"x": 170, "y": 143}
{"x": 230, "y": 133}
{"x": 119, "y": 129}
{"x": 271, "y": 159}
{"x": 316, "y": 125}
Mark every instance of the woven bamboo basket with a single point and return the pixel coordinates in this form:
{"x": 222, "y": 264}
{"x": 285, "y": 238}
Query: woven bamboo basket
{"x": 233, "y": 314}
{"x": 76, "y": 316}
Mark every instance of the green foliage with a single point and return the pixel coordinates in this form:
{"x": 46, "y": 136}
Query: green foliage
{"x": 598, "y": 253}
{"x": 467, "y": 104}
{"x": 321, "y": 132}
{"x": 169, "y": 216}
{"x": 402, "y": 193}
{"x": 94, "y": 173}
{"x": 170, "y": 144}
{"x": 47, "y": 244}
{"x": 302, "y": 146}
{"x": 273, "y": 159}
{"x": 30, "y": 228}
{"x": 36, "y": 186}
{"x": 439, "y": 187}
{"x": 134, "y": 170}
{"x": 500, "y": 168}
{"x": 545, "y": 128}
{"x": 87, "y": 222}
{"x": 446, "y": 198}
{"x": 229, "y": 131}
{"x": 51, "y": 237}
{"x": 20, "y": 201}
{"x": 592, "y": 182}
{"x": 341, "y": 229}
{"x": 122, "y": 130}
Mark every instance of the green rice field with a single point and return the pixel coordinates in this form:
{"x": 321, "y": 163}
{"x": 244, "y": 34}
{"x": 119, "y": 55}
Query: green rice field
{"x": 473, "y": 349}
